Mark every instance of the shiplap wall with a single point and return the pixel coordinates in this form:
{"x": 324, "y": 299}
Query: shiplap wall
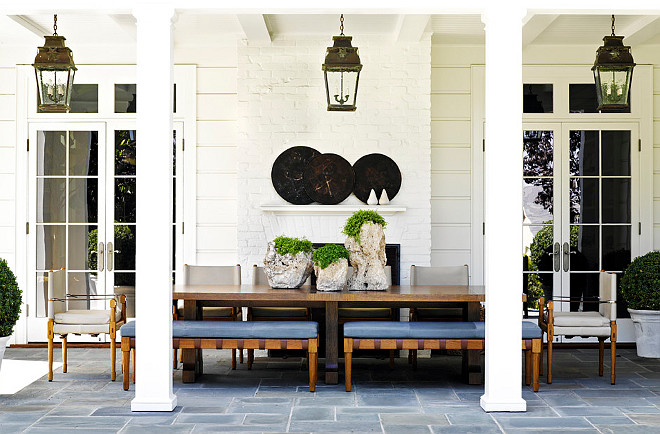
{"x": 215, "y": 151}
{"x": 451, "y": 152}
{"x": 7, "y": 164}
{"x": 656, "y": 158}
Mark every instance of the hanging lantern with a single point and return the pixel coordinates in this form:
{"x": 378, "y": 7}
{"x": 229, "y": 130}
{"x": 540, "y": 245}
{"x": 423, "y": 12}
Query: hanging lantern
{"x": 54, "y": 70}
{"x": 613, "y": 73}
{"x": 342, "y": 71}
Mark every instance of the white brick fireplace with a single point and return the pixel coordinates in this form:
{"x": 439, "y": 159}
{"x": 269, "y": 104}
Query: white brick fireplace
{"x": 281, "y": 98}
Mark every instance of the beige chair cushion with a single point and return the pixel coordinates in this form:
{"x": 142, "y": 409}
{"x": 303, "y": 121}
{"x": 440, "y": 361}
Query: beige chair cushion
{"x": 364, "y": 312}
{"x": 580, "y": 319}
{"x": 582, "y": 331}
{"x": 83, "y": 317}
{"x": 61, "y": 329}
{"x": 261, "y": 312}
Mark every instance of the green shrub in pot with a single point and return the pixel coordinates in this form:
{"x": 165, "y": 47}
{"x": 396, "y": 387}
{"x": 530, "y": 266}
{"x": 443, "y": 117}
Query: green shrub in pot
{"x": 10, "y": 299}
{"x": 640, "y": 288}
{"x": 640, "y": 284}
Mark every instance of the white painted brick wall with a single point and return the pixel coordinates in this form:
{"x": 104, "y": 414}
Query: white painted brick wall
{"x": 281, "y": 103}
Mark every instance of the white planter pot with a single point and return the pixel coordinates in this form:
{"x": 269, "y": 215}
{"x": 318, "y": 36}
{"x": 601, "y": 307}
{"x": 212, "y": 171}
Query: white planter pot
{"x": 333, "y": 277}
{"x": 647, "y": 332}
{"x": 3, "y": 344}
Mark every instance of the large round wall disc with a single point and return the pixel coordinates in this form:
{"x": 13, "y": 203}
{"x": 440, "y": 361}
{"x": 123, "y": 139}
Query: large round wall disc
{"x": 329, "y": 179}
{"x": 377, "y": 172}
{"x": 287, "y": 174}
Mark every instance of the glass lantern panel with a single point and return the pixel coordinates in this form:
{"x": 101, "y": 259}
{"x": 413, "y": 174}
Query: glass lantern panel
{"x": 53, "y": 86}
{"x": 614, "y": 84}
{"x": 342, "y": 88}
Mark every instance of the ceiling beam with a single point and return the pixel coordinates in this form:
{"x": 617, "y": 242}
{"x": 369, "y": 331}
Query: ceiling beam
{"x": 410, "y": 28}
{"x": 255, "y": 28}
{"x": 30, "y": 25}
{"x": 534, "y": 26}
{"x": 640, "y": 30}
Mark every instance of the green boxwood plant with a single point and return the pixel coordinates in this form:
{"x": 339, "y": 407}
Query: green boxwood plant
{"x": 329, "y": 254}
{"x": 355, "y": 222}
{"x": 640, "y": 284}
{"x": 291, "y": 246}
{"x": 10, "y": 299}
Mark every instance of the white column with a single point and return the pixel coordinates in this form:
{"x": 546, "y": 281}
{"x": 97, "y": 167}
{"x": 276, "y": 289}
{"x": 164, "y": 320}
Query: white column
{"x": 153, "y": 292}
{"x": 503, "y": 209}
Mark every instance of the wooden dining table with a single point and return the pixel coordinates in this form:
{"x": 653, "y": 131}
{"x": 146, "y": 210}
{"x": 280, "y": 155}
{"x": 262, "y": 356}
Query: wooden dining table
{"x": 399, "y": 296}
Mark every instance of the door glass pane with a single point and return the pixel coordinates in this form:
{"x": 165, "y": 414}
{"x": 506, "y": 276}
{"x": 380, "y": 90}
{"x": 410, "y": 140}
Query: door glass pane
{"x": 42, "y": 294}
{"x": 51, "y": 247}
{"x": 538, "y": 242}
{"x": 616, "y": 200}
{"x": 537, "y": 98}
{"x": 616, "y": 153}
{"x": 82, "y": 240}
{"x": 537, "y": 153}
{"x": 537, "y": 200}
{"x": 125, "y": 152}
{"x": 584, "y": 292}
{"x": 584, "y": 200}
{"x": 585, "y": 248}
{"x": 51, "y": 200}
{"x": 83, "y": 153}
{"x": 582, "y": 98}
{"x": 83, "y": 206}
{"x": 84, "y": 98}
{"x": 125, "y": 244}
{"x": 584, "y": 153}
{"x": 125, "y": 200}
{"x": 125, "y": 279}
{"x": 125, "y": 95}
{"x": 80, "y": 283}
{"x": 616, "y": 247}
{"x": 538, "y": 285}
{"x": 51, "y": 153}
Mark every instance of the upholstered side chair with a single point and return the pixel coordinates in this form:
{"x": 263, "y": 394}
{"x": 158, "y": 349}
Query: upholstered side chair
{"x": 63, "y": 321}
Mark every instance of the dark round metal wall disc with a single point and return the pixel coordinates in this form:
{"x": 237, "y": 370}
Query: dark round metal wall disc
{"x": 287, "y": 174}
{"x": 377, "y": 172}
{"x": 329, "y": 179}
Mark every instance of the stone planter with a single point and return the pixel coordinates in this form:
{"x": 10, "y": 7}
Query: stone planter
{"x": 647, "y": 332}
{"x": 287, "y": 271}
{"x": 3, "y": 344}
{"x": 368, "y": 259}
{"x": 333, "y": 277}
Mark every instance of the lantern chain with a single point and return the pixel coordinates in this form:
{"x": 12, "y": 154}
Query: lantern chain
{"x": 341, "y": 25}
{"x": 613, "y": 25}
{"x": 55, "y": 25}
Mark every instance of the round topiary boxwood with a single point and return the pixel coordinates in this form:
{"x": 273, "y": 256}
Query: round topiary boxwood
{"x": 640, "y": 284}
{"x": 329, "y": 254}
{"x": 10, "y": 299}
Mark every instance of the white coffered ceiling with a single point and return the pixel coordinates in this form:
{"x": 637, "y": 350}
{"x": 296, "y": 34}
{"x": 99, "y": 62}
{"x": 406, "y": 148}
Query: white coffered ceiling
{"x": 190, "y": 28}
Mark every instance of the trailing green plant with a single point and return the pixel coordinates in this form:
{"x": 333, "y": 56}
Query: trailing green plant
{"x": 355, "y": 222}
{"x": 10, "y": 299}
{"x": 640, "y": 284}
{"x": 286, "y": 245}
{"x": 329, "y": 254}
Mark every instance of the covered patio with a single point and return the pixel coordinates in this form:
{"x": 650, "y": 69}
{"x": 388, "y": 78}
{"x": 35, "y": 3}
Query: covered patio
{"x": 444, "y": 92}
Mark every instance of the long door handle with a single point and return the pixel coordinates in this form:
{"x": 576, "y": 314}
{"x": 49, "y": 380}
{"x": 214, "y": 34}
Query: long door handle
{"x": 100, "y": 259}
{"x": 567, "y": 256}
{"x": 556, "y": 253}
{"x": 111, "y": 255}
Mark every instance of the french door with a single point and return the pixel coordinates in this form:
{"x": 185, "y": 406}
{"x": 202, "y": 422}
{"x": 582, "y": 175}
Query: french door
{"x": 580, "y": 210}
{"x": 82, "y": 213}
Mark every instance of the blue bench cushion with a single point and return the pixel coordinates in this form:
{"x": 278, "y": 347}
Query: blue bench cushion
{"x": 427, "y": 330}
{"x": 237, "y": 329}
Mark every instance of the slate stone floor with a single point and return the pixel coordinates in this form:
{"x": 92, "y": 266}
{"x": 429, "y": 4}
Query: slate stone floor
{"x": 273, "y": 397}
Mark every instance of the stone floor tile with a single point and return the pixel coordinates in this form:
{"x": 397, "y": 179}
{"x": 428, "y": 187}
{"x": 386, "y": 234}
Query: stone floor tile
{"x": 158, "y": 429}
{"x": 646, "y": 419}
{"x": 335, "y": 427}
{"x": 312, "y": 413}
{"x": 388, "y": 400}
{"x": 406, "y": 429}
{"x": 224, "y": 419}
{"x": 410, "y": 419}
{"x": 266, "y": 419}
{"x": 588, "y": 411}
{"x": 64, "y": 423}
{"x": 609, "y": 420}
{"x": 556, "y": 423}
{"x": 628, "y": 429}
{"x": 347, "y": 400}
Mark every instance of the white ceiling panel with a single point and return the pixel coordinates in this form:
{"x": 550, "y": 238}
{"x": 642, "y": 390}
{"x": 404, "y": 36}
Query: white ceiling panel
{"x": 329, "y": 24}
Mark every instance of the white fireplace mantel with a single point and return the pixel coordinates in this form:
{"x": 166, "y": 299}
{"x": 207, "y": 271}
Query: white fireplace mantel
{"x": 330, "y": 209}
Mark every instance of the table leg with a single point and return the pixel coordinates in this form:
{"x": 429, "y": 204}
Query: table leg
{"x": 331, "y": 340}
{"x": 472, "y": 360}
{"x": 190, "y": 359}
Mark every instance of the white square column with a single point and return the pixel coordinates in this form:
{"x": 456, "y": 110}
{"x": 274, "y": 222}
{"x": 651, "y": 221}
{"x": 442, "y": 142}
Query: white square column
{"x": 503, "y": 209}
{"x": 153, "y": 259}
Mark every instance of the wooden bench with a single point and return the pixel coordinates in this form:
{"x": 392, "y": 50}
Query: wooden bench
{"x": 468, "y": 335}
{"x": 238, "y": 335}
